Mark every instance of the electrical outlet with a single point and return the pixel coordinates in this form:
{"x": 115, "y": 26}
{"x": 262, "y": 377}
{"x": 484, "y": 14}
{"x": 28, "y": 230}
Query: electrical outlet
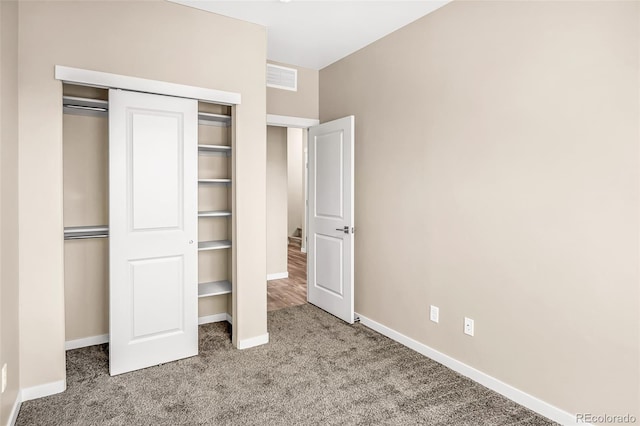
{"x": 434, "y": 314}
{"x": 4, "y": 378}
{"x": 468, "y": 326}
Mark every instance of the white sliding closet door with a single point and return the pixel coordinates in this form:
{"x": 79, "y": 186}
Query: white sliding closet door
{"x": 153, "y": 229}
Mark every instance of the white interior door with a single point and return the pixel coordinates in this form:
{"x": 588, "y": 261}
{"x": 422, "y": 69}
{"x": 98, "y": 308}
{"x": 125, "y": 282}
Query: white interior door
{"x": 331, "y": 217}
{"x": 153, "y": 228}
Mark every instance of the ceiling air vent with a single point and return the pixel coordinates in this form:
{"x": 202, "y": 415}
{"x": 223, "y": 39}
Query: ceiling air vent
{"x": 282, "y": 77}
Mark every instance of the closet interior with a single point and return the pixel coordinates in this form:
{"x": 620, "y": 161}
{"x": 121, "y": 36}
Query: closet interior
{"x": 85, "y": 204}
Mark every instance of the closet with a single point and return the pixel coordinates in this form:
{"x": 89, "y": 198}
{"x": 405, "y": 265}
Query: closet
{"x": 86, "y": 150}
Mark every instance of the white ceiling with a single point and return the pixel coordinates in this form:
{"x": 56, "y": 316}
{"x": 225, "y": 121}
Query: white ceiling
{"x": 314, "y": 34}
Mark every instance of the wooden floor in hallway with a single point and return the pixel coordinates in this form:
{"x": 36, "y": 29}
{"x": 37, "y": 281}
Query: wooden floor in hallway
{"x": 291, "y": 291}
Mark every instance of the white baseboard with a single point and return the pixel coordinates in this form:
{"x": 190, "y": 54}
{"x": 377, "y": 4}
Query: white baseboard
{"x": 303, "y": 249}
{"x": 104, "y": 338}
{"x": 40, "y": 391}
{"x": 522, "y": 398}
{"x": 13, "y": 416}
{"x": 207, "y": 319}
{"x": 87, "y": 341}
{"x": 254, "y": 341}
{"x": 277, "y": 276}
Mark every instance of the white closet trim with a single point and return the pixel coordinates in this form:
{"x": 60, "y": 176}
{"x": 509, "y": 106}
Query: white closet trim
{"x": 117, "y": 81}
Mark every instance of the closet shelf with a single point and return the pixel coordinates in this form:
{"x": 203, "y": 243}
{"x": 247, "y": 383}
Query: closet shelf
{"x": 226, "y": 149}
{"x": 214, "y": 245}
{"x": 214, "y": 213}
{"x": 85, "y": 106}
{"x": 84, "y": 232}
{"x": 209, "y": 119}
{"x": 214, "y": 288}
{"x": 224, "y": 181}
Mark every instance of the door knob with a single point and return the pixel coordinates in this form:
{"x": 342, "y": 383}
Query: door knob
{"x": 345, "y": 229}
{"x": 190, "y": 241}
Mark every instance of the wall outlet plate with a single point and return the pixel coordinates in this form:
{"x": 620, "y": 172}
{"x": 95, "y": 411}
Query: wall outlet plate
{"x": 468, "y": 326}
{"x": 434, "y": 313}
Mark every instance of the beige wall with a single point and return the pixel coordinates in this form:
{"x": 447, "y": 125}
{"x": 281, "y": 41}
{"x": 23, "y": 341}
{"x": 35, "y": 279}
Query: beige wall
{"x": 497, "y": 178}
{"x": 295, "y": 164}
{"x": 155, "y": 40}
{"x": 276, "y": 200}
{"x": 301, "y": 103}
{"x": 9, "y": 204}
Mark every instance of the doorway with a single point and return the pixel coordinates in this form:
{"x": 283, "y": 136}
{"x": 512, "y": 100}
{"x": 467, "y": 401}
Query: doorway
{"x": 329, "y": 186}
{"x": 286, "y": 217}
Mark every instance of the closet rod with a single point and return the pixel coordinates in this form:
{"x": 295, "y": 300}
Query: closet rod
{"x": 85, "y": 237}
{"x": 84, "y": 232}
{"x": 85, "y": 106}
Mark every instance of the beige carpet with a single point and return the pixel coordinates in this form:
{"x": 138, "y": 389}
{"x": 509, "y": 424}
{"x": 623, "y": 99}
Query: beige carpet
{"x": 316, "y": 370}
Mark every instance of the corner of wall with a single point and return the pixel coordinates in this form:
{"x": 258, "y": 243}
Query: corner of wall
{"x": 9, "y": 286}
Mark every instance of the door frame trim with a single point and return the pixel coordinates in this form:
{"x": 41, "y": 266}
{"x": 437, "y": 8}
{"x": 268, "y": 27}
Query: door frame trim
{"x": 117, "y": 81}
{"x": 290, "y": 121}
{"x": 298, "y": 123}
